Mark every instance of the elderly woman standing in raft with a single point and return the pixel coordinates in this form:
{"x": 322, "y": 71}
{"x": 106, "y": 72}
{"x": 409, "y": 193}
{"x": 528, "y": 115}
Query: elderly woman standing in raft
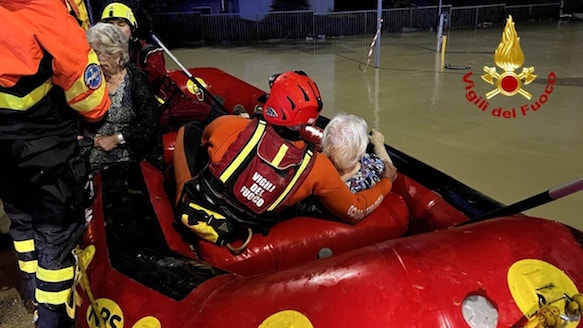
{"x": 130, "y": 131}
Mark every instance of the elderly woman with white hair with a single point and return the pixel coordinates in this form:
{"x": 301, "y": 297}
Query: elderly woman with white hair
{"x": 345, "y": 141}
{"x": 130, "y": 131}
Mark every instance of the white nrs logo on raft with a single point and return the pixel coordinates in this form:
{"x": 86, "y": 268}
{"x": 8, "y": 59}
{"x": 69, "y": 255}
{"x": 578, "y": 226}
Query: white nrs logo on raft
{"x": 104, "y": 312}
{"x": 254, "y": 193}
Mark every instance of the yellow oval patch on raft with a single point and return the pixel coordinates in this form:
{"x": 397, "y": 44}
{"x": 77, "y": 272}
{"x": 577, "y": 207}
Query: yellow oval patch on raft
{"x": 287, "y": 318}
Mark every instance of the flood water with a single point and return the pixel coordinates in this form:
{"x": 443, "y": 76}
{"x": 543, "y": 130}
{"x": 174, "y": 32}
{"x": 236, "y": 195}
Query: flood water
{"x": 422, "y": 108}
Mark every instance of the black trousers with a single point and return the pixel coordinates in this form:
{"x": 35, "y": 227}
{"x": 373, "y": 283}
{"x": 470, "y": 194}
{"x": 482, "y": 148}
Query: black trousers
{"x": 42, "y": 185}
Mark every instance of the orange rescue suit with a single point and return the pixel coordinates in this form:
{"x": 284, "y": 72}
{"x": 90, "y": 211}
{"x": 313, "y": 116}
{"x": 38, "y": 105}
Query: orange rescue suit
{"x": 39, "y": 55}
{"x": 323, "y": 180}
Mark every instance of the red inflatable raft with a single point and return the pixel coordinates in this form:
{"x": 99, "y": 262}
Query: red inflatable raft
{"x": 418, "y": 261}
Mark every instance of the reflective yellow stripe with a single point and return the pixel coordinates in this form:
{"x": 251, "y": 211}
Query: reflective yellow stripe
{"x": 28, "y": 266}
{"x": 280, "y": 154}
{"x": 54, "y": 298}
{"x": 93, "y": 98}
{"x": 80, "y": 12}
{"x": 160, "y": 100}
{"x": 24, "y": 246}
{"x": 244, "y": 153}
{"x": 25, "y": 102}
{"x": 90, "y": 102}
{"x": 207, "y": 211}
{"x": 299, "y": 172}
{"x": 58, "y": 275}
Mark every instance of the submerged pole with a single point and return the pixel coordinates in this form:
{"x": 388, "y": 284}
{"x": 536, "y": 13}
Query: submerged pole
{"x": 440, "y": 18}
{"x": 379, "y": 22}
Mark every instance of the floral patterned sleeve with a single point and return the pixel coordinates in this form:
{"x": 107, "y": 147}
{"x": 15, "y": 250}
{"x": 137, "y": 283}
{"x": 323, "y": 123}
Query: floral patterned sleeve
{"x": 371, "y": 172}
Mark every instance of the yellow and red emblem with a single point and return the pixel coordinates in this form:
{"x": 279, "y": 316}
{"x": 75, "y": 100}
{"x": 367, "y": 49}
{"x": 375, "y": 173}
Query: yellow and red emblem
{"x": 545, "y": 294}
{"x": 509, "y": 57}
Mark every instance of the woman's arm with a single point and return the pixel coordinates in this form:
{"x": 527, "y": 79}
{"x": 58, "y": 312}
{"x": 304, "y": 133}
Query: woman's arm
{"x": 325, "y": 183}
{"x": 377, "y": 139}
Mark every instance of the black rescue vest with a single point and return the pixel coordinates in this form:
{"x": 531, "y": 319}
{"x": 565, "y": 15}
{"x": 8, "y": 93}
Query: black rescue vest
{"x": 258, "y": 172}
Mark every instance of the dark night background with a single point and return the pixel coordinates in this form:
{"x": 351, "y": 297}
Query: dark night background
{"x": 340, "y": 5}
{"x": 145, "y": 8}
{"x": 345, "y": 5}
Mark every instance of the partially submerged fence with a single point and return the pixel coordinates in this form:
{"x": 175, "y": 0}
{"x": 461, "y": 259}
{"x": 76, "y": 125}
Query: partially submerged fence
{"x": 194, "y": 27}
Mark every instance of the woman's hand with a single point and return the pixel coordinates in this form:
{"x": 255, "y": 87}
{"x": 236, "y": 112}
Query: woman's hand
{"x": 107, "y": 143}
{"x": 390, "y": 171}
{"x": 376, "y": 138}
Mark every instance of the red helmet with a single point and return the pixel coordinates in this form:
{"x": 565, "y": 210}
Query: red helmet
{"x": 294, "y": 100}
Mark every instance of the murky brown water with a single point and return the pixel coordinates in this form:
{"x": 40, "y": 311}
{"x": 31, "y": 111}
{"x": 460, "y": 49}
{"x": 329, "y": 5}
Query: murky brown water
{"x": 423, "y": 111}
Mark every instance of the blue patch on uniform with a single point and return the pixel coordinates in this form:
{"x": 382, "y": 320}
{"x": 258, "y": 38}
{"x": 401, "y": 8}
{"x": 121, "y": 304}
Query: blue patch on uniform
{"x": 92, "y": 76}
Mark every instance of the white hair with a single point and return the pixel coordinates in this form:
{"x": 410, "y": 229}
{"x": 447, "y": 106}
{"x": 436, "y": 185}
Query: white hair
{"x": 345, "y": 140}
{"x": 109, "y": 39}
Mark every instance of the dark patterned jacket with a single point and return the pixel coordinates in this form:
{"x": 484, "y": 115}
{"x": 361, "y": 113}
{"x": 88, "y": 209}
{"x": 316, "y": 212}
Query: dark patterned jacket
{"x": 144, "y": 139}
{"x": 142, "y": 136}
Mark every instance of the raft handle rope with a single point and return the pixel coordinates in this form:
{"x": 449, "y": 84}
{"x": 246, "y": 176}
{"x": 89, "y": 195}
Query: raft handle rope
{"x": 371, "y": 48}
{"x": 82, "y": 259}
{"x": 237, "y": 250}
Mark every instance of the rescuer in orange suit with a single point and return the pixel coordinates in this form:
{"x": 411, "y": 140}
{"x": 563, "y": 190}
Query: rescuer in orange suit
{"x": 259, "y": 167}
{"x": 49, "y": 77}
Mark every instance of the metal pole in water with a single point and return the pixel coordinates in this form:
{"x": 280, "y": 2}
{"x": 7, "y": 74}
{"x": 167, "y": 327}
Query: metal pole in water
{"x": 439, "y": 28}
{"x": 379, "y": 22}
